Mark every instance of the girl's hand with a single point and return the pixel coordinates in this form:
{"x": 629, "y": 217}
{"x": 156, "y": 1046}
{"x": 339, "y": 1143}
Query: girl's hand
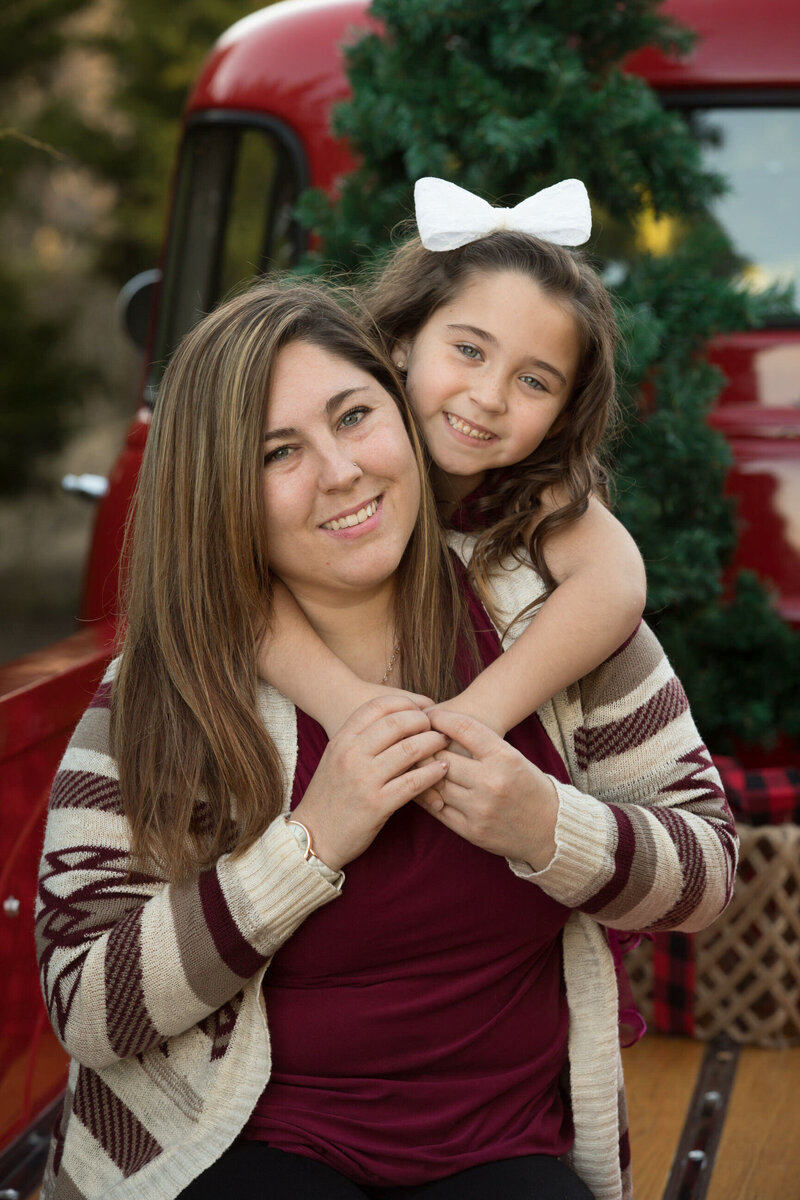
{"x": 471, "y": 703}
{"x": 369, "y": 769}
{"x": 495, "y": 798}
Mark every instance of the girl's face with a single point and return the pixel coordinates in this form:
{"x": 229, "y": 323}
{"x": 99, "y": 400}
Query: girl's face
{"x": 341, "y": 483}
{"x": 489, "y": 373}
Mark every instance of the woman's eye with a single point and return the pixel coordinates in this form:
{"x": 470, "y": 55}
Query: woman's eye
{"x": 279, "y": 454}
{"x": 532, "y": 382}
{"x": 467, "y": 350}
{"x": 354, "y": 417}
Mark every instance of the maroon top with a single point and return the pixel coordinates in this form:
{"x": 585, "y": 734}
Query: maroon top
{"x": 419, "y": 1022}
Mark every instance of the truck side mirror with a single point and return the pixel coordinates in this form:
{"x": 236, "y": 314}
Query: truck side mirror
{"x": 134, "y": 304}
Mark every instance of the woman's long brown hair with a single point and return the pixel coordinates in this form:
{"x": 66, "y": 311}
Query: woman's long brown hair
{"x": 415, "y": 282}
{"x": 199, "y": 773}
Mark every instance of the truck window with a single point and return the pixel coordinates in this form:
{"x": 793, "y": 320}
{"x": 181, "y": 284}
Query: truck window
{"x": 235, "y": 192}
{"x": 758, "y": 151}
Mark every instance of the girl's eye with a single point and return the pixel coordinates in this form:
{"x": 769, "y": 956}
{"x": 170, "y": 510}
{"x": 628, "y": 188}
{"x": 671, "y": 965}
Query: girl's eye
{"x": 279, "y": 454}
{"x": 468, "y": 351}
{"x": 354, "y": 416}
{"x": 532, "y": 382}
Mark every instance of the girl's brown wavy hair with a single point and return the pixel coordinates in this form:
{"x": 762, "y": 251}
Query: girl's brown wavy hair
{"x": 199, "y": 772}
{"x": 415, "y": 282}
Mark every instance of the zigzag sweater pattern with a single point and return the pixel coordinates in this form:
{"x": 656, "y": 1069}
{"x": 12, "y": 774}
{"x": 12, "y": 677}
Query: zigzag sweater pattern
{"x": 155, "y": 988}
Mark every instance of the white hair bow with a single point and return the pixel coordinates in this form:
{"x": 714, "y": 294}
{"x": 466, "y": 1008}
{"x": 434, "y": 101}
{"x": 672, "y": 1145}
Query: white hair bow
{"x": 449, "y": 217}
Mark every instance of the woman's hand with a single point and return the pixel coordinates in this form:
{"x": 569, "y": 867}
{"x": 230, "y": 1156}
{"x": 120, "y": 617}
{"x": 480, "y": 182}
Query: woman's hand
{"x": 353, "y": 693}
{"x": 369, "y": 770}
{"x": 495, "y": 798}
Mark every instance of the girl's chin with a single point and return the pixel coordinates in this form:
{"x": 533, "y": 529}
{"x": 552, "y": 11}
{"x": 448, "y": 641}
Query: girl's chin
{"x": 455, "y": 484}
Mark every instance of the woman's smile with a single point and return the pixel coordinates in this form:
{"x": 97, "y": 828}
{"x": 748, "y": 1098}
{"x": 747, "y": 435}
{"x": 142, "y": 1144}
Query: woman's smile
{"x": 356, "y": 521}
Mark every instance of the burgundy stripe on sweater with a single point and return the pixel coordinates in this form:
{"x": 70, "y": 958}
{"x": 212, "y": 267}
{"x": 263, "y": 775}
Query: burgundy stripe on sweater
{"x": 123, "y": 1137}
{"x": 626, "y": 841}
{"x": 102, "y": 697}
{"x": 234, "y": 950}
{"x": 593, "y": 744}
{"x": 128, "y": 1023}
{"x": 82, "y": 789}
{"x": 692, "y": 863}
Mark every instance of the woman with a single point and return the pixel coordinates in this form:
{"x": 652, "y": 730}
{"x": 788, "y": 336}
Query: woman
{"x": 420, "y": 1026}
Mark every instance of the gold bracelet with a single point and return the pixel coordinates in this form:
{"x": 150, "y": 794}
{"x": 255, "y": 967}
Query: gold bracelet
{"x": 336, "y": 878}
{"x": 309, "y": 850}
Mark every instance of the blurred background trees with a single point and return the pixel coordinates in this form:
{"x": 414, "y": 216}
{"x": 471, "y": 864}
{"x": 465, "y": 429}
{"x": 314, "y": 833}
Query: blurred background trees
{"x": 38, "y": 391}
{"x": 504, "y": 98}
{"x": 90, "y": 97}
{"x": 91, "y": 93}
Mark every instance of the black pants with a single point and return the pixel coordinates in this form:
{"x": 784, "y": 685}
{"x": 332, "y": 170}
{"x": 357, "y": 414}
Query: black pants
{"x": 260, "y": 1172}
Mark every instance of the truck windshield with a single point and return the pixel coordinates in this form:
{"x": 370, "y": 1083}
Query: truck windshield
{"x": 235, "y": 193}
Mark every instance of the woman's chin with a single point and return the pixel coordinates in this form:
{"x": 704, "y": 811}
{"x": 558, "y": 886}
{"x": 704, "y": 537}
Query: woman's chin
{"x": 364, "y": 579}
{"x": 354, "y": 574}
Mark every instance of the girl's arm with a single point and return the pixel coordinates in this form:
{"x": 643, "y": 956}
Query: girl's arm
{"x": 597, "y": 605}
{"x": 295, "y": 660}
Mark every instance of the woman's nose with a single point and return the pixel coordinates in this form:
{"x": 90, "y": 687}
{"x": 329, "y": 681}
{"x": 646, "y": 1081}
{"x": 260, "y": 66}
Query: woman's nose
{"x": 337, "y": 471}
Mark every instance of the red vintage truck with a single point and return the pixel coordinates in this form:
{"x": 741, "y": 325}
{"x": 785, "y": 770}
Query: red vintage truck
{"x": 256, "y": 132}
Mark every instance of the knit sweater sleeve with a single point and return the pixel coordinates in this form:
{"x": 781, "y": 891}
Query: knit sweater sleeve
{"x": 644, "y": 837}
{"x": 126, "y": 959}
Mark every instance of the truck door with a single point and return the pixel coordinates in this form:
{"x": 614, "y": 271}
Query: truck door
{"x": 238, "y": 179}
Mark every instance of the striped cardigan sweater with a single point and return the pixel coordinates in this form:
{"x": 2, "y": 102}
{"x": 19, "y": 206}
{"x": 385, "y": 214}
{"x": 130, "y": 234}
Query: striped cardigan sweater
{"x": 155, "y": 989}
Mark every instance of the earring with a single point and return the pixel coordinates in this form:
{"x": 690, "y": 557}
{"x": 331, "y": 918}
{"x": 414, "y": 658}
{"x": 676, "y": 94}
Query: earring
{"x": 400, "y": 363}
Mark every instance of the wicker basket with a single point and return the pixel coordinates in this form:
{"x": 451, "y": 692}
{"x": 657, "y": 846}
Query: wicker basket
{"x": 742, "y": 975}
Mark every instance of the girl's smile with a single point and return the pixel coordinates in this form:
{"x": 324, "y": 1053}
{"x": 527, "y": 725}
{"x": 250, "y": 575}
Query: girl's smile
{"x": 469, "y": 429}
{"x": 490, "y": 373}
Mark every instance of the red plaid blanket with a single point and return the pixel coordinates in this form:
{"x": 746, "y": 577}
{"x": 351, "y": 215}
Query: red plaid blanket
{"x": 770, "y": 796}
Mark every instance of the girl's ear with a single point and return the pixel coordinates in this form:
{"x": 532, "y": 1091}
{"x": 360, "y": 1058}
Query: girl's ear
{"x": 400, "y": 355}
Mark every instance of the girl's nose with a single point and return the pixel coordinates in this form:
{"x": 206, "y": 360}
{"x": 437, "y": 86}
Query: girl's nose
{"x": 488, "y": 394}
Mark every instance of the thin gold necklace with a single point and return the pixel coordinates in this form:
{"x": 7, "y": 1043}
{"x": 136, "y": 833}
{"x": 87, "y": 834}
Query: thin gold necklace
{"x": 388, "y": 671}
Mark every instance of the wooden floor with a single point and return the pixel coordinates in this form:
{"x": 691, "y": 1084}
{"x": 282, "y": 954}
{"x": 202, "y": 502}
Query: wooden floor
{"x": 759, "y": 1154}
{"x": 660, "y": 1075}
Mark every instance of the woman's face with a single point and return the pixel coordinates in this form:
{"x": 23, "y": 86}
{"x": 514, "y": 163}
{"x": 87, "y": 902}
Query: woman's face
{"x": 341, "y": 483}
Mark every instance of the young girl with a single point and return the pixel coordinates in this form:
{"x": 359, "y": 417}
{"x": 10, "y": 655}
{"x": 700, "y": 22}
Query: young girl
{"x": 507, "y": 345}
